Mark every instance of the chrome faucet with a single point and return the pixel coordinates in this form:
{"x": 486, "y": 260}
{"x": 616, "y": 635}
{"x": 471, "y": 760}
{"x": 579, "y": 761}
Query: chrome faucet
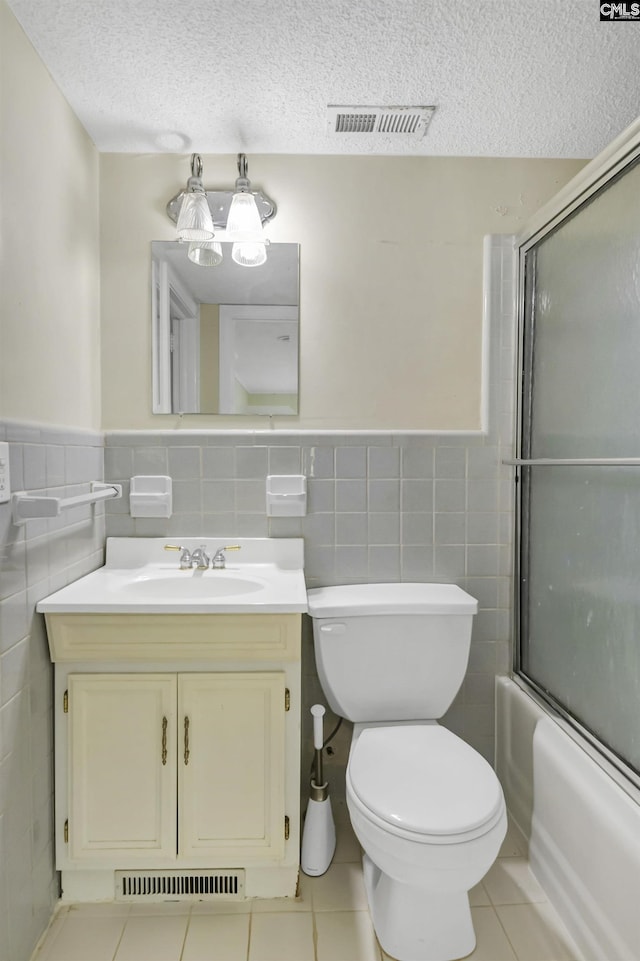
{"x": 199, "y": 558}
{"x": 219, "y": 561}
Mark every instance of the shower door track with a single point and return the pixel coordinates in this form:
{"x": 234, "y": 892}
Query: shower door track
{"x": 625, "y": 776}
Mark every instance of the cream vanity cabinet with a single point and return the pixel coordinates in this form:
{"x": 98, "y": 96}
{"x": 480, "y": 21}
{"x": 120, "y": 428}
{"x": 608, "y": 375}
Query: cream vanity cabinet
{"x": 166, "y": 764}
{"x": 177, "y": 747}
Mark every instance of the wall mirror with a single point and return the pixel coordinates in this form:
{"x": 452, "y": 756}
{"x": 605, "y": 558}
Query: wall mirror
{"x": 225, "y": 338}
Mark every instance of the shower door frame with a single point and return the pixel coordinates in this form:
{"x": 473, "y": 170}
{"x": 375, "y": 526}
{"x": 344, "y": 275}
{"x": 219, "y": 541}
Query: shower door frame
{"x": 621, "y": 154}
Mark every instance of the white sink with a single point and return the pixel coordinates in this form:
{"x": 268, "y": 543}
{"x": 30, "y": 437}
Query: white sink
{"x": 139, "y": 576}
{"x": 187, "y": 584}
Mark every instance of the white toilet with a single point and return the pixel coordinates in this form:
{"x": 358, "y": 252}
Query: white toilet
{"x": 427, "y": 809}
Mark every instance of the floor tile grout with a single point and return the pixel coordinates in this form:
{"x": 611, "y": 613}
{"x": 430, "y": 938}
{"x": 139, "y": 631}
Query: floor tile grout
{"x": 312, "y": 888}
{"x": 115, "y": 953}
{"x": 249, "y": 935}
{"x": 504, "y": 930}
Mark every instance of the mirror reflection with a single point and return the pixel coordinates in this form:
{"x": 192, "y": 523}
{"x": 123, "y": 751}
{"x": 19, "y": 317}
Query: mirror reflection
{"x": 225, "y": 338}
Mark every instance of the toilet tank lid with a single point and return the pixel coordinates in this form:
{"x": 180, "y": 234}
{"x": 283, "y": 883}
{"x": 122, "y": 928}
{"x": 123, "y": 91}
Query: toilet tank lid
{"x": 351, "y": 600}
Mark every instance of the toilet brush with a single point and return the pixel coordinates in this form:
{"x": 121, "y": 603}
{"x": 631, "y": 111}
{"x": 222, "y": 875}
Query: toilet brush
{"x": 319, "y": 833}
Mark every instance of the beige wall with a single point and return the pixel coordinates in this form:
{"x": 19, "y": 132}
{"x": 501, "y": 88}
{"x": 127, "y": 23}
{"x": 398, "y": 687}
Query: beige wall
{"x": 209, "y": 356}
{"x": 49, "y": 265}
{"x": 391, "y": 279}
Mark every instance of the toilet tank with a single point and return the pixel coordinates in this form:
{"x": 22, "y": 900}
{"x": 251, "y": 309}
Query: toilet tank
{"x": 389, "y": 652}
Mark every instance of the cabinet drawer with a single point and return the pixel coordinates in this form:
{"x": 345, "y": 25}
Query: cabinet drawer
{"x": 171, "y": 637}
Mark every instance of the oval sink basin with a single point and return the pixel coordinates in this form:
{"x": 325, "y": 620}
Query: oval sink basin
{"x": 189, "y": 584}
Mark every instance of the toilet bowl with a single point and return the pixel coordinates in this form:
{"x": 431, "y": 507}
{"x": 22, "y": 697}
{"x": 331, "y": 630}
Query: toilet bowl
{"x": 430, "y": 815}
{"x": 427, "y": 809}
{"x": 427, "y": 802}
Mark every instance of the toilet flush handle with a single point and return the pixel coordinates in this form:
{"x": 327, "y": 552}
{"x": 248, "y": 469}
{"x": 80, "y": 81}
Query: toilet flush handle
{"x": 333, "y": 628}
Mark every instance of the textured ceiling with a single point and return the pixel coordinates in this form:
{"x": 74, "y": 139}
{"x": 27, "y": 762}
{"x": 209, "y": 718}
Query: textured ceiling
{"x": 511, "y": 78}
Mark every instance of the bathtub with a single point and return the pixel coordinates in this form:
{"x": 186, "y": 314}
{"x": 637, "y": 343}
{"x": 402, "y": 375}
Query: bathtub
{"x": 581, "y": 826}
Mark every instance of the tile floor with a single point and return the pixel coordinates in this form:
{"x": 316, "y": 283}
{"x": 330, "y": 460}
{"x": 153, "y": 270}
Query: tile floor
{"x": 327, "y": 922}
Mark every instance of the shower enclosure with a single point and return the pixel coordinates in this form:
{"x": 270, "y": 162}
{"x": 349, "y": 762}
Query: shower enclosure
{"x": 578, "y": 463}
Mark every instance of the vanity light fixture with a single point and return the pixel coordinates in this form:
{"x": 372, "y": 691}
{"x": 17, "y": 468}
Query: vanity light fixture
{"x": 240, "y": 213}
{"x": 195, "y": 221}
{"x": 244, "y": 222}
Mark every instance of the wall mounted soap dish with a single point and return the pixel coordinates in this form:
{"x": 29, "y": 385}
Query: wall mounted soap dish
{"x": 286, "y": 495}
{"x": 150, "y": 496}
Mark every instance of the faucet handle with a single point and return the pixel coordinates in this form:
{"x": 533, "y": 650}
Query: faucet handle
{"x": 218, "y": 561}
{"x": 185, "y": 557}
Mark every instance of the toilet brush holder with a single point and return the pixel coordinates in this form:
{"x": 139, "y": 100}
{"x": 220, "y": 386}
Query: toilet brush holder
{"x": 319, "y": 833}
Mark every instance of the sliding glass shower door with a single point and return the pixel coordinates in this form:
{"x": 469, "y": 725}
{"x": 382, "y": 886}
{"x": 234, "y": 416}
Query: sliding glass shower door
{"x": 579, "y": 614}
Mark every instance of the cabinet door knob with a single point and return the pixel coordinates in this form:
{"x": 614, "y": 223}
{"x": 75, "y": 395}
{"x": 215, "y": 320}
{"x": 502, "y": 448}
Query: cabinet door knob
{"x": 164, "y": 740}
{"x": 186, "y": 740}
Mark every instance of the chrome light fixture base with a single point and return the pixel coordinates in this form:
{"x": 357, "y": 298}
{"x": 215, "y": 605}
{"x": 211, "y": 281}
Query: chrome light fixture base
{"x": 220, "y": 200}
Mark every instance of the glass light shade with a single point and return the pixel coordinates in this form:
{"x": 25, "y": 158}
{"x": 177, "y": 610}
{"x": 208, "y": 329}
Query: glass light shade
{"x": 249, "y": 254}
{"x": 194, "y": 220}
{"x": 244, "y": 217}
{"x": 205, "y": 253}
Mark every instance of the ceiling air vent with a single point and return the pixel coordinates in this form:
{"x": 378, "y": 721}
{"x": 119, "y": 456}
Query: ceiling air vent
{"x": 381, "y": 121}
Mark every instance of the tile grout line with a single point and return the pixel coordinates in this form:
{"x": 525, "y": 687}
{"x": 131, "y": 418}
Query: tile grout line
{"x": 126, "y": 918}
{"x": 506, "y": 934}
{"x": 249, "y": 933}
{"x": 43, "y": 941}
{"x": 314, "y": 932}
{"x": 186, "y": 932}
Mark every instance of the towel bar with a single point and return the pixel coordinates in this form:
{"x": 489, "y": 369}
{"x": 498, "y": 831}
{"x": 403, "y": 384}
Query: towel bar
{"x": 31, "y": 506}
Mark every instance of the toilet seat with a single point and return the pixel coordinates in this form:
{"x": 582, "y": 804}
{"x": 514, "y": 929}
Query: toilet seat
{"x": 423, "y": 783}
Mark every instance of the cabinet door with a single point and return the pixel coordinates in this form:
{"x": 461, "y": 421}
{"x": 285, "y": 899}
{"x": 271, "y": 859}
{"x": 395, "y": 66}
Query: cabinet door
{"x": 231, "y": 780}
{"x": 122, "y": 766}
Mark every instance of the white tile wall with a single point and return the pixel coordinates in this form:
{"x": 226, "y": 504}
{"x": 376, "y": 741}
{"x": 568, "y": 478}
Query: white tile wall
{"x": 36, "y": 559}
